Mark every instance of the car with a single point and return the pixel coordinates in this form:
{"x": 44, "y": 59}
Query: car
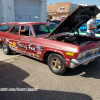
{"x": 98, "y": 29}
{"x": 57, "y": 21}
{"x": 83, "y": 27}
{"x": 53, "y": 43}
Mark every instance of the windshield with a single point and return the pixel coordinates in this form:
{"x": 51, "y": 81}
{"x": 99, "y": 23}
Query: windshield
{"x": 43, "y": 30}
{"x": 5, "y": 27}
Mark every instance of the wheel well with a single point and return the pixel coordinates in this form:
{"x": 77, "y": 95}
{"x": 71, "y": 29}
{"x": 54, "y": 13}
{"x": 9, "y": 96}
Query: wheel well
{"x": 47, "y": 54}
{"x": 1, "y": 43}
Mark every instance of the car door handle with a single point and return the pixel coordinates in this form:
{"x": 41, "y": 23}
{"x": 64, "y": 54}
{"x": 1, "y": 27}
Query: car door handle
{"x": 6, "y": 36}
{"x": 18, "y": 38}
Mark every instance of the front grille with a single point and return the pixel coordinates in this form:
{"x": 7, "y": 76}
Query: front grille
{"x": 93, "y": 52}
{"x": 90, "y": 53}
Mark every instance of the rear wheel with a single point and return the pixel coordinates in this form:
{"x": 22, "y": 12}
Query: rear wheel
{"x": 6, "y": 48}
{"x": 57, "y": 64}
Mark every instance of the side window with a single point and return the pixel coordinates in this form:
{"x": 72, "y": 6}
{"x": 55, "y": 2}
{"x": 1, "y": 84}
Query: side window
{"x": 25, "y": 31}
{"x": 15, "y": 30}
{"x": 5, "y": 27}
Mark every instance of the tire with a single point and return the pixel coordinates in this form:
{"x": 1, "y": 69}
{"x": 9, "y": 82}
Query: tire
{"x": 6, "y": 49}
{"x": 57, "y": 64}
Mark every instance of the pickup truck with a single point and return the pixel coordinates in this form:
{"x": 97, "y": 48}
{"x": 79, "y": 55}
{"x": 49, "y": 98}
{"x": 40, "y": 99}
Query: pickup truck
{"x": 55, "y": 44}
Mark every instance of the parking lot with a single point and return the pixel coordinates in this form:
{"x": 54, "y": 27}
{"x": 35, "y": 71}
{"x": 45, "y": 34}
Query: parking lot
{"x": 81, "y": 83}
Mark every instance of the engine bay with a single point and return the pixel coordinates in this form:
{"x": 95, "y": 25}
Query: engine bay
{"x": 75, "y": 39}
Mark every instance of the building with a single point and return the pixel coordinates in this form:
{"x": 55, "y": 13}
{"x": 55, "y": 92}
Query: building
{"x": 61, "y": 9}
{"x": 23, "y": 10}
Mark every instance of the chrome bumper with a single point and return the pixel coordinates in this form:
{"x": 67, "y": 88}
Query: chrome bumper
{"x": 74, "y": 62}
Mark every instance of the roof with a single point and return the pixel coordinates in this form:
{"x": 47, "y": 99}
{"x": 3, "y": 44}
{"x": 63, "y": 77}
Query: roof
{"x": 23, "y": 23}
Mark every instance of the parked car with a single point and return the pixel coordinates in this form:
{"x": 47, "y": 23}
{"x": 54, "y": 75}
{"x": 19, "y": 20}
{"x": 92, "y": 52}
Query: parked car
{"x": 62, "y": 18}
{"x": 55, "y": 44}
{"x": 83, "y": 29}
{"x": 57, "y": 21}
{"x": 84, "y": 26}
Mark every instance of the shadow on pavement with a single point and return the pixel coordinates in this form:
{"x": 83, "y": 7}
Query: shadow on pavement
{"x": 90, "y": 70}
{"x": 12, "y": 77}
{"x": 0, "y": 47}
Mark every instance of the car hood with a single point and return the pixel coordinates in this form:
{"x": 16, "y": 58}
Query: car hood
{"x": 75, "y": 19}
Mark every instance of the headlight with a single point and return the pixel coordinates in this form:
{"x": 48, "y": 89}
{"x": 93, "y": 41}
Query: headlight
{"x": 82, "y": 55}
{"x": 79, "y": 56}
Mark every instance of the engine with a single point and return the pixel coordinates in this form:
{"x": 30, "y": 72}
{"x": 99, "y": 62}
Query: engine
{"x": 77, "y": 40}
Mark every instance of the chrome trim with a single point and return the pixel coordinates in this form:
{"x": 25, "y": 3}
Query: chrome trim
{"x": 74, "y": 62}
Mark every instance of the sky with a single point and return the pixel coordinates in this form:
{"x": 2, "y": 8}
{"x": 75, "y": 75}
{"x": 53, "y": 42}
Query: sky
{"x": 89, "y": 2}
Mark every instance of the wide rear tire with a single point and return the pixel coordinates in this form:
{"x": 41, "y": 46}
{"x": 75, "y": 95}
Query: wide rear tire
{"x": 6, "y": 49}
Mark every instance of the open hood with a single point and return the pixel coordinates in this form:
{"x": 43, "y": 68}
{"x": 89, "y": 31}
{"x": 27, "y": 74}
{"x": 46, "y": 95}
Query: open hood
{"x": 75, "y": 19}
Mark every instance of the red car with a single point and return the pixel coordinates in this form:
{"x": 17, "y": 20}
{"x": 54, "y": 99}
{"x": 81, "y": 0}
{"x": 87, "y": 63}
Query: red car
{"x": 55, "y": 44}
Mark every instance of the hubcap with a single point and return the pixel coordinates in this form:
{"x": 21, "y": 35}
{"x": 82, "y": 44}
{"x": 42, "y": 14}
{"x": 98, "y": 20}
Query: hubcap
{"x": 56, "y": 63}
{"x": 4, "y": 47}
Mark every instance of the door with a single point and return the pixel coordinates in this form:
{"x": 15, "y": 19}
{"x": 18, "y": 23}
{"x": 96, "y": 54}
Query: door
{"x": 12, "y": 38}
{"x": 26, "y": 41}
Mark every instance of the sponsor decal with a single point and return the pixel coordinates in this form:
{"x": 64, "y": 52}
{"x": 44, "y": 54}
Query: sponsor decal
{"x": 23, "y": 51}
{"x": 69, "y": 53}
{"x": 13, "y": 46}
{"x": 36, "y": 55}
{"x": 10, "y": 45}
{"x": 7, "y": 40}
{"x": 33, "y": 54}
{"x": 14, "y": 49}
{"x": 27, "y": 47}
{"x": 10, "y": 42}
{"x": 29, "y": 54}
{"x": 67, "y": 59}
{"x": 39, "y": 49}
{"x": 39, "y": 52}
{"x": 14, "y": 43}
{"x": 20, "y": 50}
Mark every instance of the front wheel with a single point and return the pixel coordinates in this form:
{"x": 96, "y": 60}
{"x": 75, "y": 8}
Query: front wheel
{"x": 57, "y": 64}
{"x": 6, "y": 48}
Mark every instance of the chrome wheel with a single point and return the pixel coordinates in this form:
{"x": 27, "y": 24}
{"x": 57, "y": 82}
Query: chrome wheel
{"x": 56, "y": 63}
{"x": 6, "y": 48}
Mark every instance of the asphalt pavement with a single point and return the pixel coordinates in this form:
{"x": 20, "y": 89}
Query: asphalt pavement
{"x": 81, "y": 83}
{"x": 6, "y": 58}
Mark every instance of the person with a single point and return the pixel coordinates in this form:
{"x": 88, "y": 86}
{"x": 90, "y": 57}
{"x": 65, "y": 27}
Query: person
{"x": 24, "y": 28}
{"x": 91, "y": 26}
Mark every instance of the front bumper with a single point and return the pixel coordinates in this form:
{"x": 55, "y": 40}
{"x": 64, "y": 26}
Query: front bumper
{"x": 74, "y": 62}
